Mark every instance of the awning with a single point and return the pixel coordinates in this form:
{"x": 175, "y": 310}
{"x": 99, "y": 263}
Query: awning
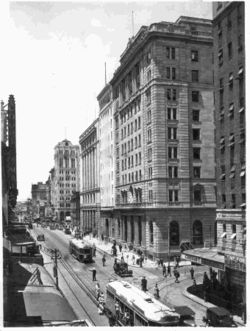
{"x": 222, "y": 140}
{"x": 231, "y": 107}
{"x": 231, "y": 77}
{"x": 241, "y": 109}
{"x": 222, "y": 176}
{"x": 232, "y": 175}
{"x": 233, "y": 236}
{"x": 240, "y": 72}
{"x": 242, "y": 174}
{"x": 224, "y": 234}
{"x": 220, "y": 53}
{"x": 233, "y": 168}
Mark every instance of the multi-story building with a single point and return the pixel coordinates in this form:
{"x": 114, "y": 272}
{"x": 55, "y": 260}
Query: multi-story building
{"x": 106, "y": 143}
{"x": 164, "y": 138}
{"x": 65, "y": 178}
{"x": 229, "y": 68}
{"x": 8, "y": 149}
{"x": 90, "y": 179}
{"x": 39, "y": 196}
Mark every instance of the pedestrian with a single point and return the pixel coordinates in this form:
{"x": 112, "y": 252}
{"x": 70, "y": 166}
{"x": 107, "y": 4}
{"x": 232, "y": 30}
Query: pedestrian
{"x": 127, "y": 258}
{"x": 133, "y": 259}
{"x": 158, "y": 262}
{"x": 38, "y": 275}
{"x": 94, "y": 249}
{"x": 93, "y": 274}
{"x": 169, "y": 270}
{"x": 177, "y": 275}
{"x": 122, "y": 258}
{"x": 156, "y": 291}
{"x": 144, "y": 284}
{"x": 140, "y": 261}
{"x": 97, "y": 291}
{"x": 120, "y": 247}
{"x": 164, "y": 271}
{"x": 192, "y": 272}
{"x": 103, "y": 260}
{"x": 161, "y": 260}
{"x": 102, "y": 237}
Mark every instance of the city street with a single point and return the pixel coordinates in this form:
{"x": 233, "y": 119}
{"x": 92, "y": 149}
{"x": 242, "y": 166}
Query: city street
{"x": 171, "y": 293}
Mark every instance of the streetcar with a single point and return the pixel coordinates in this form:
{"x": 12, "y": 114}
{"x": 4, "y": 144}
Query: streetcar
{"x": 130, "y": 306}
{"x": 81, "y": 251}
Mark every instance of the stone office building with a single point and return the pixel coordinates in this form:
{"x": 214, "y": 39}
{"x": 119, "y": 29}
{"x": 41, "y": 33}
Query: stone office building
{"x": 229, "y": 69}
{"x": 65, "y": 178}
{"x": 90, "y": 180}
{"x": 107, "y": 159}
{"x": 164, "y": 138}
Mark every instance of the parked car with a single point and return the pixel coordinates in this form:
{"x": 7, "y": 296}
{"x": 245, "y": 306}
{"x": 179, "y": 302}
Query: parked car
{"x": 219, "y": 316}
{"x": 187, "y": 315}
{"x": 41, "y": 237}
{"x": 67, "y": 231}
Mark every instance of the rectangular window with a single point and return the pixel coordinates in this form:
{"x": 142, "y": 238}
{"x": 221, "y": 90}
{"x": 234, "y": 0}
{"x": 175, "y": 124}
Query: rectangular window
{"x": 173, "y": 196}
{"x": 172, "y": 133}
{"x": 149, "y": 135}
{"x": 194, "y": 56}
{"x": 171, "y": 113}
{"x": 168, "y": 75}
{"x": 149, "y": 75}
{"x": 149, "y": 115}
{"x": 173, "y": 172}
{"x": 196, "y": 153}
{"x": 196, "y": 115}
{"x": 195, "y": 75}
{"x": 172, "y": 152}
{"x": 150, "y": 172}
{"x": 195, "y": 96}
{"x": 150, "y": 195}
{"x": 197, "y": 196}
{"x": 230, "y": 50}
{"x": 150, "y": 154}
{"x": 197, "y": 172}
{"x": 170, "y": 53}
{"x": 196, "y": 134}
{"x": 148, "y": 96}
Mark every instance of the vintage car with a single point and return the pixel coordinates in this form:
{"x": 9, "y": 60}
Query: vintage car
{"x": 219, "y": 317}
{"x": 40, "y": 237}
{"x": 187, "y": 315}
{"x": 121, "y": 269}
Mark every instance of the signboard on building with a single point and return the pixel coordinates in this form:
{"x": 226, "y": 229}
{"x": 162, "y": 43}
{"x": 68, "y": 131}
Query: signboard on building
{"x": 229, "y": 217}
{"x": 192, "y": 258}
{"x": 235, "y": 262}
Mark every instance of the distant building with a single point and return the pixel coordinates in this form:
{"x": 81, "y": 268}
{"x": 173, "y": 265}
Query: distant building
{"x": 107, "y": 161}
{"x": 229, "y": 80}
{"x": 90, "y": 180}
{"x": 40, "y": 197}
{"x": 164, "y": 138}
{"x": 75, "y": 209}
{"x": 65, "y": 178}
{"x": 8, "y": 150}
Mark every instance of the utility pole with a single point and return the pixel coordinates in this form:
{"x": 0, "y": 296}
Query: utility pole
{"x": 55, "y": 269}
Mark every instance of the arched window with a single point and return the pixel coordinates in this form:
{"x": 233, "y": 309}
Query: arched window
{"x": 197, "y": 233}
{"x": 151, "y": 232}
{"x": 174, "y": 233}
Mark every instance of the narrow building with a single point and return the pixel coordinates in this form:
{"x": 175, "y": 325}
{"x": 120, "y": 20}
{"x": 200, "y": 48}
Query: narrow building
{"x": 90, "y": 180}
{"x": 107, "y": 158}
{"x": 65, "y": 178}
{"x": 164, "y": 138}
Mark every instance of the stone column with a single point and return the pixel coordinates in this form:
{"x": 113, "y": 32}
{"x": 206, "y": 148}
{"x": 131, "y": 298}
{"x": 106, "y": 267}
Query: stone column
{"x": 136, "y": 230}
{"x": 143, "y": 227}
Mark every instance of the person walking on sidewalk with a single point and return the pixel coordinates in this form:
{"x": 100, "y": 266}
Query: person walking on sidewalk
{"x": 164, "y": 271}
{"x": 177, "y": 275}
{"x": 133, "y": 259}
{"x": 94, "y": 249}
{"x": 103, "y": 260}
{"x": 97, "y": 291}
{"x": 156, "y": 291}
{"x": 192, "y": 272}
{"x": 120, "y": 247}
{"x": 169, "y": 270}
{"x": 93, "y": 274}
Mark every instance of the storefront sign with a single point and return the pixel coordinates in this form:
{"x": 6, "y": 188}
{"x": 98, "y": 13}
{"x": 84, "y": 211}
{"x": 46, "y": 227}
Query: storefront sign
{"x": 235, "y": 262}
{"x": 195, "y": 259}
{"x": 227, "y": 216}
{"x": 214, "y": 264}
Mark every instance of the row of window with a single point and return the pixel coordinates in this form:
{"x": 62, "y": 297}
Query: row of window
{"x": 137, "y": 196}
{"x": 172, "y": 114}
{"x": 65, "y": 192}
{"x": 67, "y": 205}
{"x": 67, "y": 172}
{"x": 129, "y": 162}
{"x": 231, "y": 200}
{"x": 65, "y": 198}
{"x": 133, "y": 109}
{"x": 171, "y": 74}
{"x": 67, "y": 178}
{"x": 132, "y": 177}
{"x": 130, "y": 128}
{"x": 66, "y": 163}
{"x": 89, "y": 198}
{"x": 130, "y": 145}
{"x": 67, "y": 185}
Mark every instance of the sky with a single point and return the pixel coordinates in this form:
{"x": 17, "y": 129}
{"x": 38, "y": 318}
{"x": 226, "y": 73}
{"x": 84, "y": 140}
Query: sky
{"x": 53, "y": 60}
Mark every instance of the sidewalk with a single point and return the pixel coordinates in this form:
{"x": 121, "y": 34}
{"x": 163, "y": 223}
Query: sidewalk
{"x": 105, "y": 247}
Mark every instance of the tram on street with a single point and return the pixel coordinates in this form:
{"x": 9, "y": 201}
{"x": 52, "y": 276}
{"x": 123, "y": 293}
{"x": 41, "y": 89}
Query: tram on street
{"x": 130, "y": 306}
{"x": 81, "y": 251}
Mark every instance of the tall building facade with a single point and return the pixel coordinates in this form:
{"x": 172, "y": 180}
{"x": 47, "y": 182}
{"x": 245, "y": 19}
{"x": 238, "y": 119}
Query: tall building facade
{"x": 164, "y": 138}
{"x": 90, "y": 180}
{"x": 107, "y": 161}
{"x": 65, "y": 178}
{"x": 40, "y": 199}
{"x": 229, "y": 79}
{"x": 8, "y": 149}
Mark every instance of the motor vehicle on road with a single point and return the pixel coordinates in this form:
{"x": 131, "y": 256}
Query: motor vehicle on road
{"x": 81, "y": 251}
{"x": 219, "y": 317}
{"x": 67, "y": 231}
{"x": 187, "y": 315}
{"x": 41, "y": 237}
